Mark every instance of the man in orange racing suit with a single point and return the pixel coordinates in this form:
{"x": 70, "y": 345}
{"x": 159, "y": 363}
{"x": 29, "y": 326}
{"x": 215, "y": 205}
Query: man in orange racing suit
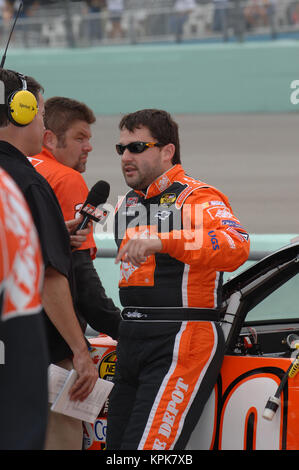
{"x": 176, "y": 235}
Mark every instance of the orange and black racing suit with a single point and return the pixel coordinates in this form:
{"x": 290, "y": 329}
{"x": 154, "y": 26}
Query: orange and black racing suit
{"x": 171, "y": 345}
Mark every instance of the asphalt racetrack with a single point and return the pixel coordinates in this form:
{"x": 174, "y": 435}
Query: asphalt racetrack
{"x": 253, "y": 159}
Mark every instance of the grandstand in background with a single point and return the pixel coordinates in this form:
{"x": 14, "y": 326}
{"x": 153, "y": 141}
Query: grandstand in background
{"x": 88, "y": 23}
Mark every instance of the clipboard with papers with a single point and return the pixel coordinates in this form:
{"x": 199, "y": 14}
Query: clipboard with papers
{"x": 60, "y": 382}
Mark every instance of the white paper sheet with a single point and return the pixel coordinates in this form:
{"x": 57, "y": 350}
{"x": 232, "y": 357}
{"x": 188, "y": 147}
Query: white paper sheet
{"x": 60, "y": 383}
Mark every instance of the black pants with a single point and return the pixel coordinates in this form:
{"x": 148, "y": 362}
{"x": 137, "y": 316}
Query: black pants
{"x": 23, "y": 384}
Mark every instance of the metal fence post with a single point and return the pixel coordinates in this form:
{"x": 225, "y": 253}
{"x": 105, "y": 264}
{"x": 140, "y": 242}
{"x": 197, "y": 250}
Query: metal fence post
{"x": 68, "y": 24}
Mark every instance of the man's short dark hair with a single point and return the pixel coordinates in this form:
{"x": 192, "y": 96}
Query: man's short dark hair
{"x": 160, "y": 124}
{"x": 12, "y": 82}
{"x": 61, "y": 113}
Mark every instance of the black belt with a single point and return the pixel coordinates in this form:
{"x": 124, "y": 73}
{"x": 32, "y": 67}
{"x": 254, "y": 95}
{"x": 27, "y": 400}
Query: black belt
{"x": 170, "y": 314}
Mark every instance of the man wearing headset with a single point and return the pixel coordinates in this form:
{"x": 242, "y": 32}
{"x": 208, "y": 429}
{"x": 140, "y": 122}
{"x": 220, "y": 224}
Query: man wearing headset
{"x": 21, "y": 135}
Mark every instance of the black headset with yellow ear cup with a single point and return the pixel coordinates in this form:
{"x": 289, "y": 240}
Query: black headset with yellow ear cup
{"x": 22, "y": 105}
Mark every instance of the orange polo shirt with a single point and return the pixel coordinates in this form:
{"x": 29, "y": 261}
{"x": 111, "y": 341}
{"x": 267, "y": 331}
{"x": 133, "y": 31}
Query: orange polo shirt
{"x": 69, "y": 187}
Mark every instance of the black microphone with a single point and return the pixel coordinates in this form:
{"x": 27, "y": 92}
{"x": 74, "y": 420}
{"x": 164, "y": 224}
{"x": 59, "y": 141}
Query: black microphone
{"x": 98, "y": 194}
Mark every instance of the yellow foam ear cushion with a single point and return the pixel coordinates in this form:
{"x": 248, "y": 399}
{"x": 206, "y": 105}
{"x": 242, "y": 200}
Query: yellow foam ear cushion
{"x": 23, "y": 107}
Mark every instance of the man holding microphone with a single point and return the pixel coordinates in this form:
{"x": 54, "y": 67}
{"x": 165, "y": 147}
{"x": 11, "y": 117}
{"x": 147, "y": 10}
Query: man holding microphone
{"x": 21, "y": 135}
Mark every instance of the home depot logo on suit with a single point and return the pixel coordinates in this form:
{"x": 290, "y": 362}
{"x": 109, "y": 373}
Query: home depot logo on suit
{"x": 21, "y": 266}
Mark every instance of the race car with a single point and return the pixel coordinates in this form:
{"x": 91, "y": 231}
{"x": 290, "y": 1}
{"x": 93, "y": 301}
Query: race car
{"x": 255, "y": 402}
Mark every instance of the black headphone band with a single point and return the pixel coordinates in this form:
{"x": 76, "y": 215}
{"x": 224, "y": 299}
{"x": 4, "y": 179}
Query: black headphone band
{"x": 21, "y": 78}
{"x": 23, "y": 81}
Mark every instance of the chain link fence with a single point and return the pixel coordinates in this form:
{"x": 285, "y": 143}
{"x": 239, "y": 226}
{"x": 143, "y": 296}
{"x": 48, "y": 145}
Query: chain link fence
{"x": 80, "y": 24}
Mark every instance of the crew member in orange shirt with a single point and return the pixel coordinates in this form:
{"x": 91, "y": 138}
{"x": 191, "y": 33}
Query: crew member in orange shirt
{"x": 66, "y": 146}
{"x": 63, "y": 158}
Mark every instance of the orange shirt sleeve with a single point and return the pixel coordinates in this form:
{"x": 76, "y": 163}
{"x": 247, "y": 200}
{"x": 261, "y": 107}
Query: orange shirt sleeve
{"x": 71, "y": 192}
{"x": 211, "y": 236}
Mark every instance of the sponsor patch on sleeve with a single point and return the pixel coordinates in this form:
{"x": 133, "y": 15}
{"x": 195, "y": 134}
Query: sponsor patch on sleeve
{"x": 240, "y": 234}
{"x": 231, "y": 223}
{"x": 213, "y": 203}
{"x": 243, "y": 235}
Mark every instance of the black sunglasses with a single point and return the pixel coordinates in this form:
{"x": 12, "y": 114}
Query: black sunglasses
{"x": 136, "y": 147}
